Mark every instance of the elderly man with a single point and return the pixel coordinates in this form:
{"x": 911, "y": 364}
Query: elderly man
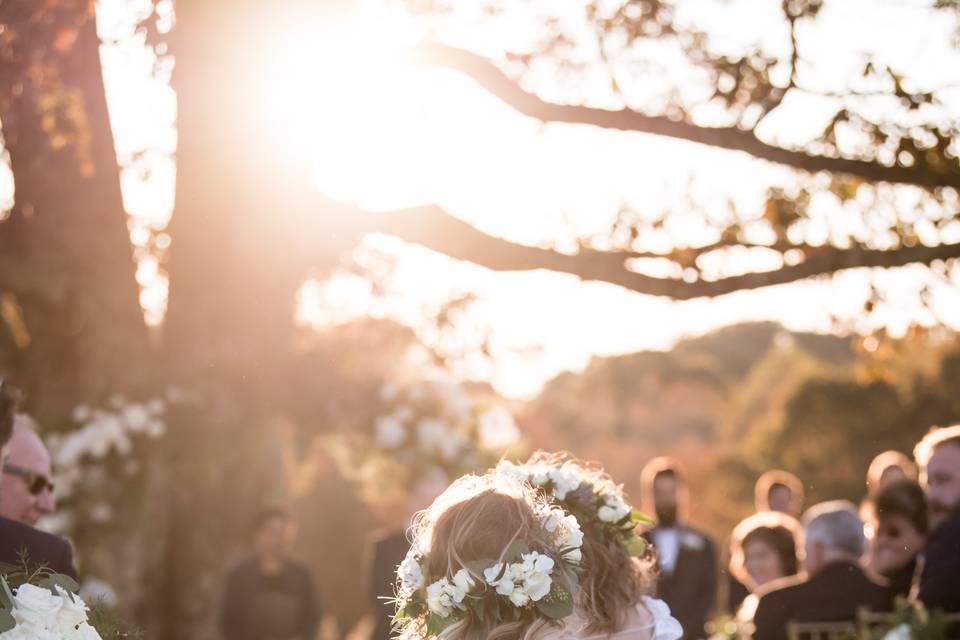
{"x": 25, "y": 485}
{"x": 19, "y": 542}
{"x": 938, "y": 456}
{"x": 836, "y": 586}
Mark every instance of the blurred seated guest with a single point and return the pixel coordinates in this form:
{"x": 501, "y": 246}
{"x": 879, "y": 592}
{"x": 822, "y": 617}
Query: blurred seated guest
{"x": 25, "y": 483}
{"x": 389, "y": 549}
{"x": 938, "y": 456}
{"x": 763, "y": 548}
{"x": 778, "y": 490}
{"x": 900, "y": 526}
{"x": 269, "y": 595}
{"x": 686, "y": 558}
{"x": 887, "y": 467}
{"x": 775, "y": 491}
{"x": 20, "y": 542}
{"x": 835, "y": 586}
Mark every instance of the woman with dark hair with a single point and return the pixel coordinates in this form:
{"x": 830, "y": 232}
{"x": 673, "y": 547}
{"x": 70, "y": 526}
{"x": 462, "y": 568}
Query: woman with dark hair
{"x": 900, "y": 530}
{"x": 763, "y": 548}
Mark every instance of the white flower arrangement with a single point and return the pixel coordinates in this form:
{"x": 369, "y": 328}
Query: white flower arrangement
{"x": 422, "y": 429}
{"x": 521, "y": 579}
{"x": 591, "y": 497}
{"x": 50, "y": 613}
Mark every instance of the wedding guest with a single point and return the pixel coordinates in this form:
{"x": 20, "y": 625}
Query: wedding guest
{"x": 20, "y": 542}
{"x": 763, "y": 548}
{"x": 686, "y": 558}
{"x": 25, "y": 484}
{"x": 270, "y": 595}
{"x": 775, "y": 491}
{"x": 778, "y": 490}
{"x": 835, "y": 586}
{"x": 938, "y": 456}
{"x": 887, "y": 467}
{"x": 387, "y": 551}
{"x": 900, "y": 523}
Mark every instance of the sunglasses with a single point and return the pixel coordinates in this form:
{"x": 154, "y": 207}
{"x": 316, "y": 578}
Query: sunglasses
{"x": 36, "y": 482}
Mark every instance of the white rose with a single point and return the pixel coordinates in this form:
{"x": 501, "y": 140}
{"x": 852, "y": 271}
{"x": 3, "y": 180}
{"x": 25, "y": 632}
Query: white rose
{"x": 539, "y": 475}
{"x": 23, "y": 631}
{"x": 504, "y": 584}
{"x": 36, "y": 606}
{"x": 574, "y": 555}
{"x": 73, "y": 611}
{"x": 535, "y": 562}
{"x": 389, "y": 433}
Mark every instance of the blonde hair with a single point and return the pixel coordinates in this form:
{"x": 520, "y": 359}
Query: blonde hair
{"x": 478, "y": 518}
{"x": 613, "y": 581}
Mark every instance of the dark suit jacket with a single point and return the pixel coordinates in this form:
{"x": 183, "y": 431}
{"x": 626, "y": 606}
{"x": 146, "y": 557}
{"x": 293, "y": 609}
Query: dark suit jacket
{"x": 256, "y": 606}
{"x": 691, "y": 590}
{"x": 42, "y": 549}
{"x": 940, "y": 580}
{"x": 832, "y": 595}
{"x": 386, "y": 552}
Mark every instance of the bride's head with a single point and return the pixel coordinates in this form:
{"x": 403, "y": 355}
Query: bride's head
{"x": 617, "y": 569}
{"x": 486, "y": 563}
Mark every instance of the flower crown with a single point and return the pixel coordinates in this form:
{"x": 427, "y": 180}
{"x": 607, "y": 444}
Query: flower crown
{"x": 518, "y": 585}
{"x": 595, "y": 501}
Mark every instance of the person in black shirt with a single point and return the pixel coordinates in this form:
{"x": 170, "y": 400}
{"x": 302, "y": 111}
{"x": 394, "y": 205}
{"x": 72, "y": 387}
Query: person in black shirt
{"x": 938, "y": 456}
{"x": 269, "y": 596}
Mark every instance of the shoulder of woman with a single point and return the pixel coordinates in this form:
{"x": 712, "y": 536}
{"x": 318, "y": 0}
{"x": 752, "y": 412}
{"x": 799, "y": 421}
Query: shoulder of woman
{"x": 666, "y": 627}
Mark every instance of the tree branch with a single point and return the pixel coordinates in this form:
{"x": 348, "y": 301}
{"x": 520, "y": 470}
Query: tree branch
{"x": 498, "y": 83}
{"x": 431, "y": 227}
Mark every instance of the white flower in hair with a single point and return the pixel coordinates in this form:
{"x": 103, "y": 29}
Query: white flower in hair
{"x": 536, "y": 570}
{"x": 565, "y": 479}
{"x": 614, "y": 508}
{"x": 443, "y": 596}
{"x": 410, "y": 572}
{"x": 510, "y": 470}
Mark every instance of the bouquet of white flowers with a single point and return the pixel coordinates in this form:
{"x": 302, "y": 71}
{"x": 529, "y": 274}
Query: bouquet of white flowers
{"x": 43, "y": 606}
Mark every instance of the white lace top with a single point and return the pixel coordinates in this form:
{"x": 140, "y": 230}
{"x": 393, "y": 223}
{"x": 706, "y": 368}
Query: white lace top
{"x": 652, "y": 621}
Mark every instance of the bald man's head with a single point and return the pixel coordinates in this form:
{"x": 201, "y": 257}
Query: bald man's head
{"x": 26, "y": 491}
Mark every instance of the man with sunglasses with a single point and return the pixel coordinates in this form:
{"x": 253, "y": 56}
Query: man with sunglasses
{"x": 26, "y": 491}
{"x": 20, "y": 542}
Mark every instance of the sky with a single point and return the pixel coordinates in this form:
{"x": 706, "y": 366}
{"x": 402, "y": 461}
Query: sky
{"x": 439, "y": 138}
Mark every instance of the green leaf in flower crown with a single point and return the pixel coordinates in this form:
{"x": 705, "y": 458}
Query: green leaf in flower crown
{"x": 411, "y": 610}
{"x": 436, "y": 624}
{"x": 566, "y": 579}
{"x": 639, "y": 517}
{"x": 636, "y": 546}
{"x": 557, "y": 604}
{"x": 6, "y": 621}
